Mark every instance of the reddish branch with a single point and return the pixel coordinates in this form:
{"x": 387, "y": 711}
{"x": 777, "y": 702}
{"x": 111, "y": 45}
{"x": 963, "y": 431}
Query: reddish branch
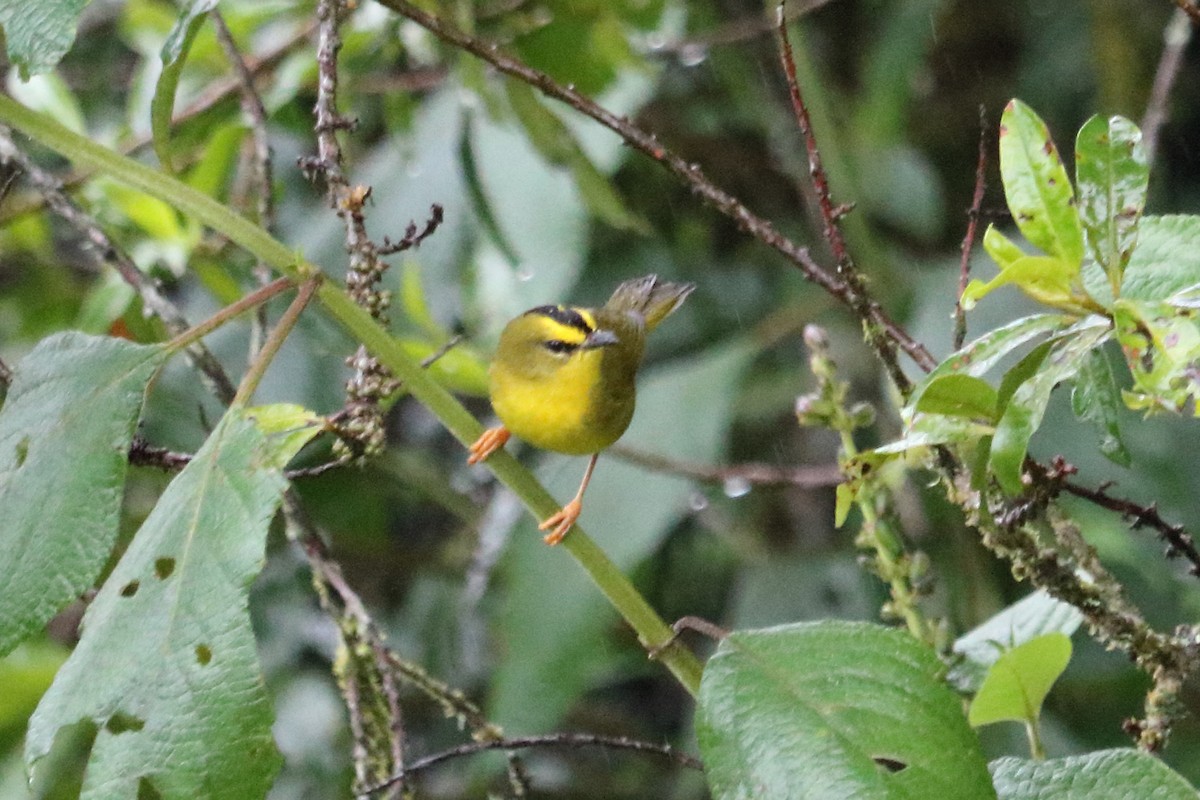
{"x": 964, "y": 266}
{"x": 1179, "y": 541}
{"x": 888, "y": 335}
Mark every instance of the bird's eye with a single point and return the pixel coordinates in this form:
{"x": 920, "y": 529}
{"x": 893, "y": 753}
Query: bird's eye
{"x": 559, "y": 346}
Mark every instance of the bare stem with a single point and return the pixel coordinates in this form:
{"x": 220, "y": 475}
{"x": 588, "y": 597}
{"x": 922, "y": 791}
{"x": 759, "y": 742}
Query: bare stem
{"x": 271, "y": 347}
{"x": 197, "y": 332}
{"x": 1175, "y": 40}
{"x": 964, "y": 266}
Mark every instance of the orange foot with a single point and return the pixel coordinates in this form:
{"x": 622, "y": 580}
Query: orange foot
{"x": 561, "y": 522}
{"x": 488, "y": 442}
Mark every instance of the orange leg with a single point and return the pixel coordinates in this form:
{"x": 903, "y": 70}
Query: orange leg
{"x": 488, "y": 442}
{"x": 566, "y": 517}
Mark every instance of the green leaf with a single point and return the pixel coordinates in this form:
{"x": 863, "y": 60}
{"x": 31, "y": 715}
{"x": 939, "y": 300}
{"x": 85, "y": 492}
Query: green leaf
{"x": 461, "y": 369}
{"x": 959, "y": 396}
{"x": 978, "y": 357}
{"x": 1024, "y": 412}
{"x": 174, "y": 56}
{"x": 1101, "y": 775}
{"x": 1161, "y": 344}
{"x": 554, "y": 623}
{"x": 1047, "y": 279}
{"x": 65, "y": 430}
{"x": 1113, "y": 177}
{"x": 1023, "y": 370}
{"x": 1097, "y": 399}
{"x": 1024, "y": 620}
{"x": 1036, "y": 186}
{"x": 39, "y": 34}
{"x": 813, "y": 711}
{"x": 1166, "y": 259}
{"x": 1003, "y": 250}
{"x": 167, "y": 662}
{"x": 25, "y": 674}
{"x": 1017, "y": 684}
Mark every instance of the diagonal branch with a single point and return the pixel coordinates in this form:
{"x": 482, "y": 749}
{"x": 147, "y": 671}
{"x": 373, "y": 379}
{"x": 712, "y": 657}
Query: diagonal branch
{"x": 891, "y": 337}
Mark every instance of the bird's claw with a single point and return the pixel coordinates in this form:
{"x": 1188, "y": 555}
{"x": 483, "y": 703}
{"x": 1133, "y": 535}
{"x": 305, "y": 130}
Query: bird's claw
{"x": 561, "y": 522}
{"x": 488, "y": 442}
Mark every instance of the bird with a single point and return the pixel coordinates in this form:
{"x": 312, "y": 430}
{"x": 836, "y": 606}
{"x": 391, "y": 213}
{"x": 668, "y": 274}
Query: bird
{"x": 563, "y": 377}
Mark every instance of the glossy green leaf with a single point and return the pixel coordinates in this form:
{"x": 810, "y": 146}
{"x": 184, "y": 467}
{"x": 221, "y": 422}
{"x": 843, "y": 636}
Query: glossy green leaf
{"x": 1166, "y": 259}
{"x": 1037, "y": 188}
{"x": 1023, "y": 414}
{"x": 554, "y": 624}
{"x": 1022, "y": 371}
{"x": 833, "y": 710}
{"x": 1030, "y": 617}
{"x": 1101, "y": 775}
{"x": 166, "y": 667}
{"x": 978, "y": 357}
{"x": 39, "y": 34}
{"x": 174, "y": 56}
{"x": 65, "y": 429}
{"x": 1113, "y": 177}
{"x": 1097, "y": 399}
{"x": 958, "y": 395}
{"x": 1017, "y": 684}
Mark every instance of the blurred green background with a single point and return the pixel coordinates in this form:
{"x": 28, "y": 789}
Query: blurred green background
{"x": 450, "y": 564}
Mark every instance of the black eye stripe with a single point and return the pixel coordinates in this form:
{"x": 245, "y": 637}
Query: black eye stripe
{"x": 564, "y": 315}
{"x": 559, "y": 346}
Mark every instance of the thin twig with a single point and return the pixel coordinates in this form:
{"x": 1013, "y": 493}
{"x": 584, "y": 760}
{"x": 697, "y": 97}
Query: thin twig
{"x": 263, "y": 180}
{"x": 753, "y": 474}
{"x": 556, "y": 740}
{"x": 1179, "y": 541}
{"x": 279, "y": 334}
{"x": 106, "y": 252}
{"x": 1176, "y": 36}
{"x": 1191, "y": 9}
{"x": 735, "y": 31}
{"x": 968, "y": 242}
{"x": 891, "y": 334}
{"x": 412, "y": 237}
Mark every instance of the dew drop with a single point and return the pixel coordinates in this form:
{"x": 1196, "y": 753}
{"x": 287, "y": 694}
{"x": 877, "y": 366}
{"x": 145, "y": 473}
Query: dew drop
{"x": 736, "y": 487}
{"x": 524, "y": 274}
{"x": 697, "y": 501}
{"x": 693, "y": 54}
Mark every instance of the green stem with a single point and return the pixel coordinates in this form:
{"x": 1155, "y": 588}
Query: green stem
{"x": 1036, "y": 749}
{"x": 202, "y": 329}
{"x": 271, "y": 346}
{"x": 651, "y": 630}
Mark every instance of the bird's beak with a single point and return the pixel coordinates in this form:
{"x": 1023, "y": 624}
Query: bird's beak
{"x": 599, "y": 338}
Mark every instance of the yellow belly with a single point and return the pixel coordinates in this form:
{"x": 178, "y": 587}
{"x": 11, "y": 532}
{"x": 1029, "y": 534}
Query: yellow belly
{"x": 553, "y": 413}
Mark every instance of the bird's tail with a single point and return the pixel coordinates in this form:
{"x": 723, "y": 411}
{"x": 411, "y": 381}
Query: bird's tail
{"x": 650, "y": 297}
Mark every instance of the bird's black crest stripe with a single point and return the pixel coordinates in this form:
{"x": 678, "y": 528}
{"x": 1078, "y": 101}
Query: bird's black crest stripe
{"x": 564, "y": 315}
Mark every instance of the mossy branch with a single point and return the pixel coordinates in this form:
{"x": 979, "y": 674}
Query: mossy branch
{"x": 652, "y": 631}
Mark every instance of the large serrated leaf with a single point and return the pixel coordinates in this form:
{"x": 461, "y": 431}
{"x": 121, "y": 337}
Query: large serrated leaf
{"x": 1113, "y": 177}
{"x": 1025, "y": 619}
{"x": 1036, "y": 185}
{"x": 39, "y": 34}
{"x": 1102, "y": 775}
{"x": 1024, "y": 412}
{"x": 833, "y": 710}
{"x": 64, "y": 433}
{"x": 1097, "y": 399}
{"x": 166, "y": 667}
{"x": 1017, "y": 684}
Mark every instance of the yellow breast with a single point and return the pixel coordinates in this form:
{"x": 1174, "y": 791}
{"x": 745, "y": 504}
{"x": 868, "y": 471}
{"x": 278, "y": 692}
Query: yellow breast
{"x": 551, "y": 411}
